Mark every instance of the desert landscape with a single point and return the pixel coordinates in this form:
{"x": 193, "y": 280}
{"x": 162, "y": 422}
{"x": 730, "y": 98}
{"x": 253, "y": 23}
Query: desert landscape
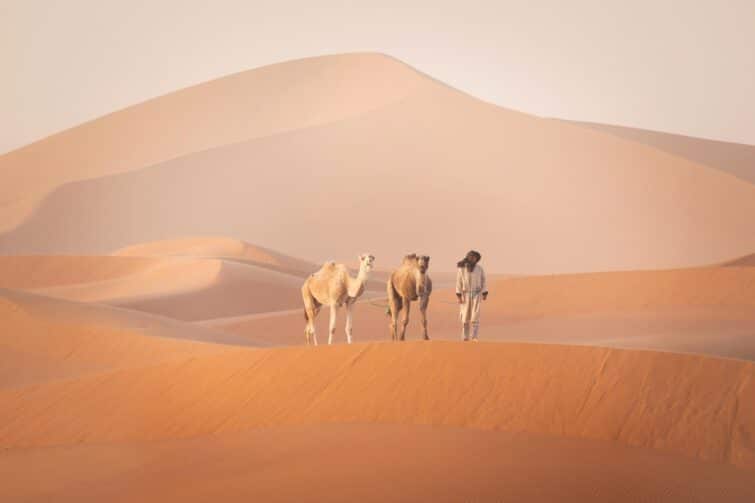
{"x": 152, "y": 342}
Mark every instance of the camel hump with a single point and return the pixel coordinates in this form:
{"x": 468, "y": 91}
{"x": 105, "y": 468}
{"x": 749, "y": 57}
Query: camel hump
{"x": 411, "y": 258}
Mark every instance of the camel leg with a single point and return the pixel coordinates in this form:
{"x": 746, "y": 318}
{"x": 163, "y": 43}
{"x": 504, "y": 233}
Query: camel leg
{"x": 423, "y": 314}
{"x": 332, "y": 327}
{"x": 348, "y": 321}
{"x": 395, "y": 310}
{"x": 310, "y": 312}
{"x": 394, "y": 305}
{"x": 423, "y": 304}
{"x": 405, "y": 320}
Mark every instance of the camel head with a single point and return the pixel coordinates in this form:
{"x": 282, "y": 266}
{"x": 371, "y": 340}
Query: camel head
{"x": 366, "y": 262}
{"x": 423, "y": 263}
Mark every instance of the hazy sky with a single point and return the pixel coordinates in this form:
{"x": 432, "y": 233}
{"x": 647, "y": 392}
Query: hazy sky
{"x": 680, "y": 66}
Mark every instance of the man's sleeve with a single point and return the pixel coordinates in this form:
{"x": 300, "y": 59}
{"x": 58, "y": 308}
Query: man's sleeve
{"x": 483, "y": 281}
{"x": 458, "y": 281}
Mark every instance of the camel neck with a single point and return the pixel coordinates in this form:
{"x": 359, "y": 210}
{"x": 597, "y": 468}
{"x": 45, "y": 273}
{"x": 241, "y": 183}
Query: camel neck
{"x": 356, "y": 285}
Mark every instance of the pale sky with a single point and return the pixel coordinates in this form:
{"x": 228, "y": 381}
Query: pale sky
{"x": 685, "y": 67}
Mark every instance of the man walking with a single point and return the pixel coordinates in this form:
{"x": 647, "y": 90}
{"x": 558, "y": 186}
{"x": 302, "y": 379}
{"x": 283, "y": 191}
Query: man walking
{"x": 471, "y": 290}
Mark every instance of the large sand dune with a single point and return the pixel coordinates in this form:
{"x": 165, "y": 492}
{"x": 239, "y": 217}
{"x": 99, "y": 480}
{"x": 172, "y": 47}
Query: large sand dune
{"x": 735, "y": 158}
{"x": 534, "y": 195}
{"x": 253, "y": 104}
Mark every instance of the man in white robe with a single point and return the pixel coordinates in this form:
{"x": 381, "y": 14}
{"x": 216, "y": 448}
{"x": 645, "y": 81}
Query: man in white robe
{"x": 471, "y": 290}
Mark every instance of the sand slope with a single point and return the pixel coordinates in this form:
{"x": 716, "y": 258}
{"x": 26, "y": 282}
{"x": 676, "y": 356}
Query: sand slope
{"x": 735, "y": 158}
{"x": 193, "y": 289}
{"x": 746, "y": 261}
{"x": 44, "y": 339}
{"x": 697, "y": 406}
{"x": 348, "y": 462}
{"x": 546, "y": 196}
{"x": 43, "y": 271}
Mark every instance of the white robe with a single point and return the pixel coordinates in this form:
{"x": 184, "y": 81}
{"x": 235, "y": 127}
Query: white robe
{"x": 470, "y": 285}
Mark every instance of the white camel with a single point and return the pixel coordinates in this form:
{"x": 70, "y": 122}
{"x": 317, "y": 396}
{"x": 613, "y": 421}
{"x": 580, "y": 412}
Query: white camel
{"x": 332, "y": 286}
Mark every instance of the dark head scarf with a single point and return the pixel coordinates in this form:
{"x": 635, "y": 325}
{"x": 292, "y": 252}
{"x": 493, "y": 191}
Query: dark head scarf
{"x": 466, "y": 260}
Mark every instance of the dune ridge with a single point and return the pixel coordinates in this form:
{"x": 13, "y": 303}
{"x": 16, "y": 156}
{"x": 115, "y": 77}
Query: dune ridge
{"x": 735, "y": 158}
{"x": 746, "y": 261}
{"x": 220, "y": 247}
{"x": 697, "y": 406}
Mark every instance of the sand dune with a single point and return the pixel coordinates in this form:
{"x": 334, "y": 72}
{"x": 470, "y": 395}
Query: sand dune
{"x": 182, "y": 288}
{"x": 707, "y": 311}
{"x": 193, "y": 289}
{"x": 44, "y": 339}
{"x": 221, "y": 248}
{"x": 348, "y": 462}
{"x": 114, "y": 404}
{"x": 735, "y": 158}
{"x": 546, "y": 196}
{"x": 251, "y": 104}
{"x": 746, "y": 261}
{"x": 697, "y": 406}
{"x": 188, "y": 279}
{"x": 43, "y": 271}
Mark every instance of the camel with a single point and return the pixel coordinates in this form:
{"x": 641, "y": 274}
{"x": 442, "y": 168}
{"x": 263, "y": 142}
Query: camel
{"x": 407, "y": 283}
{"x": 332, "y": 286}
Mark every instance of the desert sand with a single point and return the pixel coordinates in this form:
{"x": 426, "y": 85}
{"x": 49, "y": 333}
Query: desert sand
{"x": 125, "y": 404}
{"x": 592, "y": 201}
{"x": 150, "y": 352}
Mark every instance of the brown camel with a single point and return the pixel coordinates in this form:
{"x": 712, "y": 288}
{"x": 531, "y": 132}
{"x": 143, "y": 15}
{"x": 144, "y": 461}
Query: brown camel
{"x": 407, "y": 283}
{"x": 333, "y": 286}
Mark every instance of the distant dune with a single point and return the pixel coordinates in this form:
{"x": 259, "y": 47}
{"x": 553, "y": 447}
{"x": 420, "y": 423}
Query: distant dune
{"x": 186, "y": 279}
{"x": 221, "y": 248}
{"x": 253, "y": 104}
{"x": 734, "y": 158}
{"x": 400, "y": 165}
{"x": 44, "y": 339}
{"x": 746, "y": 261}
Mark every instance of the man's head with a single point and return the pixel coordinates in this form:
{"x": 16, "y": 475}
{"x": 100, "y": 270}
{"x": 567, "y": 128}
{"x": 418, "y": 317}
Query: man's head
{"x": 471, "y": 259}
